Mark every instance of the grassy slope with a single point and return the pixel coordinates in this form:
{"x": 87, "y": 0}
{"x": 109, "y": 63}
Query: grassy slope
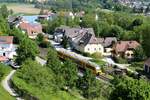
{"x": 4, "y": 95}
{"x": 61, "y": 95}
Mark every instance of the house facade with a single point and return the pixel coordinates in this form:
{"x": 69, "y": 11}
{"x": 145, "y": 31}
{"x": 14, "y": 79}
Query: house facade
{"x": 7, "y": 50}
{"x": 32, "y": 29}
{"x": 126, "y": 48}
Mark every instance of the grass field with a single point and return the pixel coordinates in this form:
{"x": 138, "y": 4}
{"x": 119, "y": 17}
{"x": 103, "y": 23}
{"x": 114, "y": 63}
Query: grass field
{"x": 22, "y": 8}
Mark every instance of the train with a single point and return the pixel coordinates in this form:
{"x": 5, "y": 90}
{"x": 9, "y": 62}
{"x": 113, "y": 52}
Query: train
{"x": 82, "y": 63}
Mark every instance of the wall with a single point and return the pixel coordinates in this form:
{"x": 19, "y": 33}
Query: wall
{"x": 92, "y": 48}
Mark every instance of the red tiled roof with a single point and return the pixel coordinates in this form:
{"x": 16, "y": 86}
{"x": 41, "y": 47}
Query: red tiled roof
{"x": 6, "y": 39}
{"x": 30, "y": 27}
{"x": 122, "y": 46}
{"x": 3, "y": 58}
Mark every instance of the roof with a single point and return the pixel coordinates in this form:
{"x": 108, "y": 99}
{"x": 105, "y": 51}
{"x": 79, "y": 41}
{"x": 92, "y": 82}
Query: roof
{"x": 14, "y": 18}
{"x": 6, "y": 39}
{"x": 107, "y": 41}
{"x": 84, "y": 36}
{"x": 3, "y": 58}
{"x": 31, "y": 27}
{"x": 122, "y": 46}
{"x": 88, "y": 39}
{"x": 147, "y": 62}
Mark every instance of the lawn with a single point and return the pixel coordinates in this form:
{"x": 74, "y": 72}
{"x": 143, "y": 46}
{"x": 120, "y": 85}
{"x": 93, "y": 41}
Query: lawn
{"x": 4, "y": 95}
{"x": 20, "y": 8}
{"x": 99, "y": 62}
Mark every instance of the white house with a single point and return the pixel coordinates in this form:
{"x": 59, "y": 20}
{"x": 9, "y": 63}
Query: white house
{"x": 7, "y": 50}
{"x": 88, "y": 43}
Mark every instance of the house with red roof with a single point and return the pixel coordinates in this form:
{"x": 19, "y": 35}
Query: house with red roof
{"x": 7, "y": 50}
{"x": 32, "y": 29}
{"x": 126, "y": 48}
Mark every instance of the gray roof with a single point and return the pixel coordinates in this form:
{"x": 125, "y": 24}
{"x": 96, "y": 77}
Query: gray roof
{"x": 107, "y": 42}
{"x": 84, "y": 36}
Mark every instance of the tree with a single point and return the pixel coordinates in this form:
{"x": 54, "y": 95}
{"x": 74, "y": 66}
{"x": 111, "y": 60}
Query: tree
{"x": 135, "y": 23}
{"x": 36, "y": 75}
{"x": 54, "y": 64}
{"x": 139, "y": 54}
{"x": 41, "y": 41}
{"x": 145, "y": 31}
{"x": 4, "y": 11}
{"x": 26, "y": 49}
{"x": 69, "y": 73}
{"x": 65, "y": 42}
{"x": 40, "y": 38}
{"x": 18, "y": 35}
{"x": 130, "y": 89}
{"x": 53, "y": 61}
{"x": 89, "y": 86}
{"x": 116, "y": 31}
{"x": 4, "y": 28}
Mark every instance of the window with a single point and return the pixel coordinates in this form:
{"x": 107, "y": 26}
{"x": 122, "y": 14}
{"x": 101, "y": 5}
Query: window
{"x": 95, "y": 49}
{"x": 88, "y": 49}
{"x": 99, "y": 48}
{"x": 4, "y": 54}
{"x": 128, "y": 54}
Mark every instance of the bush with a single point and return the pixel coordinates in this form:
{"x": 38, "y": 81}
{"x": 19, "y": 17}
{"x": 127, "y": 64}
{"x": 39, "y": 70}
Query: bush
{"x": 121, "y": 60}
{"x": 44, "y": 44}
{"x": 86, "y": 54}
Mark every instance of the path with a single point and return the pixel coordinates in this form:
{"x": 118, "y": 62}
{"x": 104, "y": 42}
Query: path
{"x": 6, "y": 85}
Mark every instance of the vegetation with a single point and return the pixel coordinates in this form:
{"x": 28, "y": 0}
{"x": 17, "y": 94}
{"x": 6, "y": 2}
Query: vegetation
{"x": 146, "y": 39}
{"x": 41, "y": 41}
{"x": 4, "y": 70}
{"x": 65, "y": 42}
{"x": 139, "y": 54}
{"x": 69, "y": 73}
{"x": 38, "y": 81}
{"x": 90, "y": 87}
{"x": 18, "y": 35}
{"x": 130, "y": 89}
{"x": 26, "y": 49}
